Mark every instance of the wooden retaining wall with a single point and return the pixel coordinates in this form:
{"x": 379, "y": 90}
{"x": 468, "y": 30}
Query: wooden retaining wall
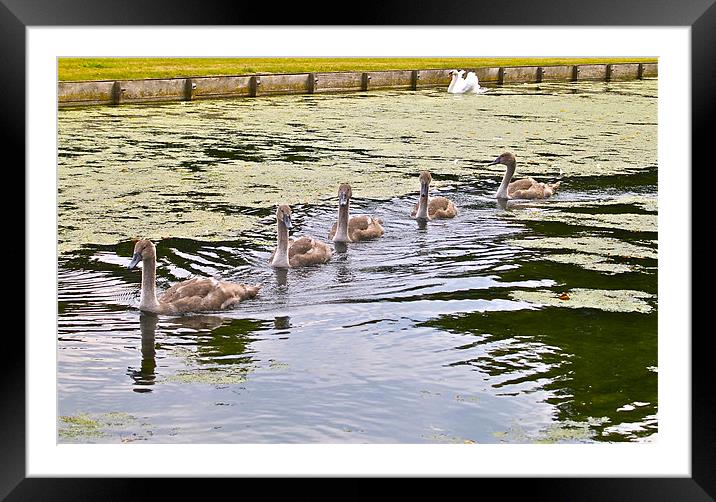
{"x": 111, "y": 92}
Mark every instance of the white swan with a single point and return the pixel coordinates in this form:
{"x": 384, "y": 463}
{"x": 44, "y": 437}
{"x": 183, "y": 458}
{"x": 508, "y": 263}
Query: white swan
{"x": 457, "y": 84}
{"x": 472, "y": 84}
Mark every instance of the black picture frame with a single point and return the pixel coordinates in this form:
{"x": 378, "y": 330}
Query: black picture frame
{"x": 700, "y": 16}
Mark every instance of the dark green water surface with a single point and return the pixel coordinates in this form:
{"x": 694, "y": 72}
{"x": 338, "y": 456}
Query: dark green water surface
{"x": 448, "y": 332}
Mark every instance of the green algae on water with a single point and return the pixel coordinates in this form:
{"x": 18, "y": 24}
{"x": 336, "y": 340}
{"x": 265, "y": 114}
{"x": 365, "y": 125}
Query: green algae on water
{"x": 603, "y": 246}
{"x": 591, "y": 252}
{"x": 628, "y": 222}
{"x": 79, "y": 427}
{"x": 592, "y": 262}
{"x": 84, "y": 427}
{"x": 648, "y": 203}
{"x": 206, "y": 169}
{"x": 619, "y": 300}
{"x": 223, "y": 376}
{"x": 567, "y": 431}
{"x": 570, "y": 431}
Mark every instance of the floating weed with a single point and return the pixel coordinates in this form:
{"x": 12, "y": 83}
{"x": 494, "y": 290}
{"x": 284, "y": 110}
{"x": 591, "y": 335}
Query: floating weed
{"x": 210, "y": 376}
{"x": 350, "y": 429}
{"x": 645, "y": 202}
{"x": 428, "y": 394}
{"x": 445, "y": 438}
{"x": 195, "y": 374}
{"x": 117, "y": 418}
{"x": 568, "y": 431}
{"x": 190, "y": 223}
{"x": 565, "y": 434}
{"x": 592, "y": 253}
{"x": 618, "y": 300}
{"x": 84, "y": 427}
{"x": 192, "y": 178}
{"x": 571, "y": 431}
{"x": 592, "y": 262}
{"x": 514, "y": 434}
{"x": 437, "y": 435}
{"x": 180, "y": 352}
{"x": 277, "y": 365}
{"x": 81, "y": 420}
{"x": 79, "y": 427}
{"x": 601, "y": 246}
{"x": 628, "y": 222}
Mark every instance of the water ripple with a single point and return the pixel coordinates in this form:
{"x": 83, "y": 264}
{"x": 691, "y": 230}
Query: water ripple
{"x": 522, "y": 322}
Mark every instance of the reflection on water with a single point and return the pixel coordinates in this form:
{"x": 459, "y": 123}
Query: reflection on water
{"x": 517, "y": 321}
{"x": 281, "y": 276}
{"x": 422, "y": 223}
{"x": 144, "y": 377}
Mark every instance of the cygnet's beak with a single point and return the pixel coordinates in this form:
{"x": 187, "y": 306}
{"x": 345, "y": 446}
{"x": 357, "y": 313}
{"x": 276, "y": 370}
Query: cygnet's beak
{"x": 287, "y": 221}
{"x": 343, "y": 199}
{"x": 136, "y": 258}
{"x": 496, "y": 161}
{"x": 424, "y": 189}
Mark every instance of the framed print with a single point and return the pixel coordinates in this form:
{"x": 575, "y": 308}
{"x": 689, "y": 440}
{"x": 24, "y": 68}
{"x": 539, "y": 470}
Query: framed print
{"x": 451, "y": 345}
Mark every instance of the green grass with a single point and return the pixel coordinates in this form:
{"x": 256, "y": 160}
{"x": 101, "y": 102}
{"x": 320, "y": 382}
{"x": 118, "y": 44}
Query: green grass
{"x": 137, "y": 68}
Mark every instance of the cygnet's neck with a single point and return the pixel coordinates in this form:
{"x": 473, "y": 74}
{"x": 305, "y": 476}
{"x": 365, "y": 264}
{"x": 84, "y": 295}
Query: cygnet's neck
{"x": 280, "y": 258}
{"x": 502, "y": 191}
{"x": 422, "y": 211}
{"x": 342, "y": 227}
{"x": 148, "y": 299}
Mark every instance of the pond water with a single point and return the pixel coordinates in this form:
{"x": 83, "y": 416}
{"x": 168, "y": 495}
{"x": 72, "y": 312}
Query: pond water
{"x": 519, "y": 323}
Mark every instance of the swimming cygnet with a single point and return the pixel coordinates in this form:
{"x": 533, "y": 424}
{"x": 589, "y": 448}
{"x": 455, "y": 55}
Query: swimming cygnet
{"x": 526, "y": 188}
{"x": 431, "y": 208}
{"x": 296, "y": 253}
{"x": 193, "y": 295}
{"x": 356, "y": 228}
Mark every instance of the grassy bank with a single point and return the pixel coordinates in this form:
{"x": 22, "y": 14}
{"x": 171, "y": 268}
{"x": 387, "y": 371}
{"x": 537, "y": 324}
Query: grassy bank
{"x": 137, "y": 68}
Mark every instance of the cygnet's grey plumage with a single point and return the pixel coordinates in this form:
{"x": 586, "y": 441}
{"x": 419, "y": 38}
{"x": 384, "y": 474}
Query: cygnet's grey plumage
{"x": 431, "y": 208}
{"x": 353, "y": 228}
{"x": 291, "y": 253}
{"x": 193, "y": 295}
{"x": 526, "y": 188}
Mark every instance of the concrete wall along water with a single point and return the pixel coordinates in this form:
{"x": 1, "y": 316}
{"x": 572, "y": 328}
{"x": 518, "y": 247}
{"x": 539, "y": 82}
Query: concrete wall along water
{"x": 110, "y": 92}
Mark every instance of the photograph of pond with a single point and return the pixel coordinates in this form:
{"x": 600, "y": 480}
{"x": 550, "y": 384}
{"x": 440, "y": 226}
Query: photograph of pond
{"x": 524, "y": 314}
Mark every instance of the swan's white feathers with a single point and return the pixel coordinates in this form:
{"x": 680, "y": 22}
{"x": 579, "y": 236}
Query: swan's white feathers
{"x": 469, "y": 84}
